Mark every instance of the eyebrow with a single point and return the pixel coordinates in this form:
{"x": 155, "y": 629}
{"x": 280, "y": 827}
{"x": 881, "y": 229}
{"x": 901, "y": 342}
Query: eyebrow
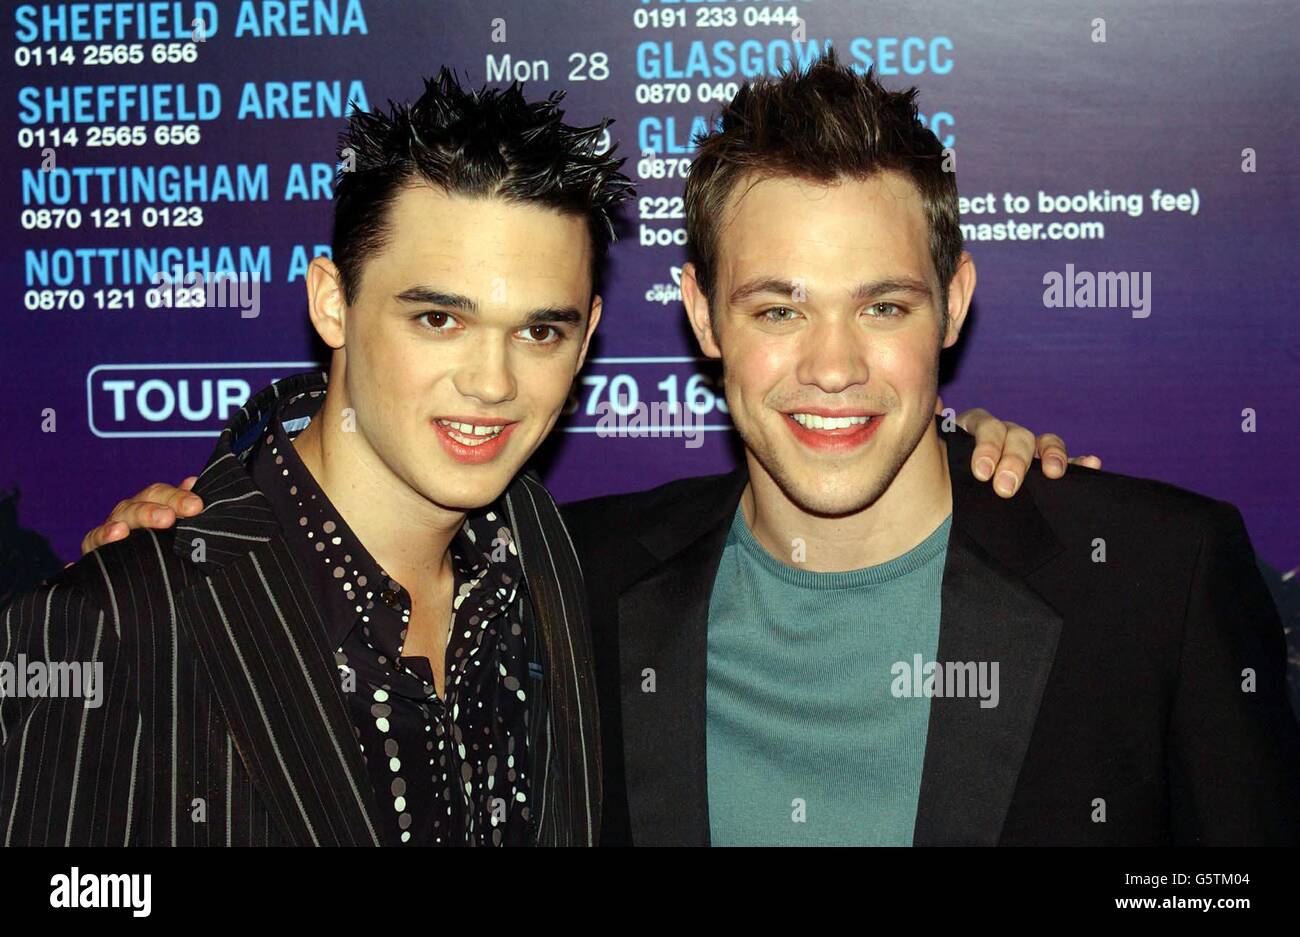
{"x": 543, "y": 315}
{"x": 863, "y": 291}
{"x": 432, "y": 297}
{"x": 549, "y": 314}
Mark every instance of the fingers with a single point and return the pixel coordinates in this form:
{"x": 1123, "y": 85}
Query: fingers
{"x": 137, "y": 514}
{"x": 126, "y": 517}
{"x": 989, "y": 435}
{"x": 970, "y": 420}
{"x": 1003, "y": 450}
{"x": 1051, "y": 450}
{"x": 1017, "y": 453}
{"x": 179, "y": 501}
{"x": 104, "y": 533}
{"x": 157, "y": 506}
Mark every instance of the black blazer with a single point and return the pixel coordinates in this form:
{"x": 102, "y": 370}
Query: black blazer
{"x": 1119, "y": 680}
{"x": 224, "y": 721}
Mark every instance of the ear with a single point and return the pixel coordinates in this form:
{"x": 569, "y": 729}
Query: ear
{"x": 697, "y": 312}
{"x": 593, "y": 319}
{"x": 960, "y": 291}
{"x": 325, "y": 301}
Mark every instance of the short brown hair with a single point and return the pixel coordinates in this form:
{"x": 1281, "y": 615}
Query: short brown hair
{"x": 820, "y": 124}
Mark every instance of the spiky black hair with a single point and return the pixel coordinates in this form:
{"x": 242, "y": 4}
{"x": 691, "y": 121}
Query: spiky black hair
{"x": 490, "y": 142}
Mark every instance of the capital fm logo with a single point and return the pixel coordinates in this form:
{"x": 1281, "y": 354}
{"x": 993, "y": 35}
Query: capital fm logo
{"x": 665, "y": 293}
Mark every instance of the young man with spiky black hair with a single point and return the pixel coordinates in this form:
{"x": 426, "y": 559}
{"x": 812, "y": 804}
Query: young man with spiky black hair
{"x": 374, "y": 632}
{"x": 267, "y": 663}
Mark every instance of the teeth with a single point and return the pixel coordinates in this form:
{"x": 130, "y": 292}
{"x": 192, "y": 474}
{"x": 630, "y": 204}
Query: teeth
{"x": 814, "y": 421}
{"x": 470, "y": 434}
{"x": 472, "y": 429}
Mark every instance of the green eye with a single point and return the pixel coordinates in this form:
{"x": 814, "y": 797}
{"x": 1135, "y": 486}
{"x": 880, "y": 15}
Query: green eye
{"x": 773, "y": 314}
{"x": 890, "y": 310}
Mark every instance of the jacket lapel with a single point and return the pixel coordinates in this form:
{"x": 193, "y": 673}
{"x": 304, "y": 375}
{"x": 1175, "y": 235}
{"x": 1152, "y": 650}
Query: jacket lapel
{"x": 262, "y": 643}
{"x": 973, "y": 754}
{"x": 663, "y": 652}
{"x": 566, "y": 744}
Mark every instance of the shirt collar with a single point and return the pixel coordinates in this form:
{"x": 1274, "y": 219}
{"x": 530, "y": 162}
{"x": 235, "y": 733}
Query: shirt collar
{"x": 346, "y": 581}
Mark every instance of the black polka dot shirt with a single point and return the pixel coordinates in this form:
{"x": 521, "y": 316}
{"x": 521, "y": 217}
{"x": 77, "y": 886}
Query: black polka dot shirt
{"x": 450, "y": 771}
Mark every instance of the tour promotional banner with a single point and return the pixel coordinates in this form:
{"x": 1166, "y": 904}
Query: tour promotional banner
{"x": 1127, "y": 172}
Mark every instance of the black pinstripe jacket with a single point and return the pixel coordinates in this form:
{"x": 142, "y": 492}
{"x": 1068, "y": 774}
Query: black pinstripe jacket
{"x": 222, "y": 721}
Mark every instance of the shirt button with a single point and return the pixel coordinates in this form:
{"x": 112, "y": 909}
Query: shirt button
{"x": 389, "y": 598}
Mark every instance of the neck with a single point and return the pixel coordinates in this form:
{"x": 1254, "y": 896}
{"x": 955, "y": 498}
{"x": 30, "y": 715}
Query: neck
{"x": 915, "y": 503}
{"x": 407, "y": 535}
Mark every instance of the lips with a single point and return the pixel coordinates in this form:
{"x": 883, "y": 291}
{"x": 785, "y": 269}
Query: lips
{"x": 473, "y": 440}
{"x": 832, "y": 431}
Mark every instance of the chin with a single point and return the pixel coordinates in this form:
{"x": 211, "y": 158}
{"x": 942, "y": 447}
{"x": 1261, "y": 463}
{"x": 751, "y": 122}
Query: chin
{"x": 835, "y": 501}
{"x": 465, "y": 495}
{"x": 830, "y": 489}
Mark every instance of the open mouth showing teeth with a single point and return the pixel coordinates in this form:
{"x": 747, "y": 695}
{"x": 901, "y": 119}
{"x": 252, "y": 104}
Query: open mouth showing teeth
{"x": 470, "y": 434}
{"x": 815, "y": 421}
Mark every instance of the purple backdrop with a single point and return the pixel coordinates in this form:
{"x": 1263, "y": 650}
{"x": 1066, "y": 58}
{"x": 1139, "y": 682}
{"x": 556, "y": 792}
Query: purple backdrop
{"x": 1192, "y": 380}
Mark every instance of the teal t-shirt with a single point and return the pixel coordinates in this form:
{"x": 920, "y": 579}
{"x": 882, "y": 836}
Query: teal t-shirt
{"x": 806, "y": 743}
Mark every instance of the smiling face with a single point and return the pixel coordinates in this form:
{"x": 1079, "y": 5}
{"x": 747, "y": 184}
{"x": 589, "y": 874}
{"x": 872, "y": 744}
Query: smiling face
{"x": 467, "y": 329}
{"x": 828, "y": 323}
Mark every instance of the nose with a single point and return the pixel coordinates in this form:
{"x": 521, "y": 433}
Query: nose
{"x": 833, "y": 355}
{"x": 487, "y": 375}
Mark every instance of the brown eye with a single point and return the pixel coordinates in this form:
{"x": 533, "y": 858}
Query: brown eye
{"x": 435, "y": 320}
{"x": 541, "y": 334}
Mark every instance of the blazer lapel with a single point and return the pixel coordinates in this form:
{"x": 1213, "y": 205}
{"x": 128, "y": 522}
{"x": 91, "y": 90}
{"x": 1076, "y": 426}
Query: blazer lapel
{"x": 663, "y": 653}
{"x": 262, "y": 644}
{"x": 566, "y": 745}
{"x": 973, "y": 754}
